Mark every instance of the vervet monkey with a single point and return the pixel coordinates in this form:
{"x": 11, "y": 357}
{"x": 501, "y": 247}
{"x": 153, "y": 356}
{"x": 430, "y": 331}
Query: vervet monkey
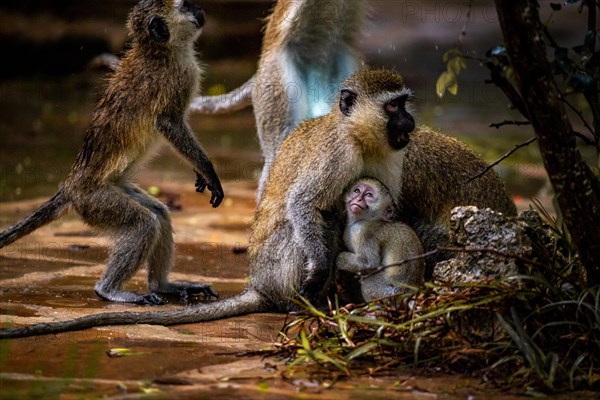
{"x": 374, "y": 239}
{"x": 308, "y": 50}
{"x": 293, "y": 240}
{"x": 146, "y": 98}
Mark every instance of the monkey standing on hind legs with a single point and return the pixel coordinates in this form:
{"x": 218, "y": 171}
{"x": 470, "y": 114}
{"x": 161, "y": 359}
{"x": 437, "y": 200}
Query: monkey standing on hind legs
{"x": 292, "y": 244}
{"x": 147, "y": 97}
{"x": 374, "y": 239}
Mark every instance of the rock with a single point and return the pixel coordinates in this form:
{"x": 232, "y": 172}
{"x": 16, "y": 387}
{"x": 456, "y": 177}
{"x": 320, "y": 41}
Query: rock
{"x": 471, "y": 227}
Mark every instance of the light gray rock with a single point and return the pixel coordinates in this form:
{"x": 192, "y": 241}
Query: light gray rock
{"x": 487, "y": 229}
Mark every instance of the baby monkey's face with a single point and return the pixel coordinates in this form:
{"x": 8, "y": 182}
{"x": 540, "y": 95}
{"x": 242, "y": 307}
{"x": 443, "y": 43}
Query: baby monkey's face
{"x": 361, "y": 198}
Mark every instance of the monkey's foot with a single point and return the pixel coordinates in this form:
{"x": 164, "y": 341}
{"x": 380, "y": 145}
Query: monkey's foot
{"x": 185, "y": 289}
{"x": 152, "y": 299}
{"x": 121, "y": 296}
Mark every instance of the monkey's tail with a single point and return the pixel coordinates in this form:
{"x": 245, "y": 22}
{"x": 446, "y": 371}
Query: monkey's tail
{"x": 47, "y": 212}
{"x": 235, "y": 100}
{"x": 246, "y": 302}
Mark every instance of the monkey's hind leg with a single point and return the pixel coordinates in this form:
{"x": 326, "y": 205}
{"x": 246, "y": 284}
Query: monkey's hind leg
{"x": 160, "y": 258}
{"x": 136, "y": 231}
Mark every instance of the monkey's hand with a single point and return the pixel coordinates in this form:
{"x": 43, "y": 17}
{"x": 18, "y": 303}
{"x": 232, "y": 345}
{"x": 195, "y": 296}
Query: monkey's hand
{"x": 350, "y": 262}
{"x": 215, "y": 189}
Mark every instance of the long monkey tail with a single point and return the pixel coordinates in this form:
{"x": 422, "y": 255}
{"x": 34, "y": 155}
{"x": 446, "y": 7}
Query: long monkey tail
{"x": 249, "y": 301}
{"x": 235, "y": 100}
{"x": 46, "y": 213}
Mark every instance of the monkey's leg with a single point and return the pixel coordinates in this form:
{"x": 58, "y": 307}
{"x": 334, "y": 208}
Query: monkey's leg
{"x": 136, "y": 230}
{"x": 160, "y": 258}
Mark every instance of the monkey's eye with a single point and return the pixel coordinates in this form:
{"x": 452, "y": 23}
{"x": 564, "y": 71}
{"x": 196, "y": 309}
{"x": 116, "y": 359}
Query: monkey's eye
{"x": 369, "y": 194}
{"x": 392, "y": 107}
{"x": 356, "y": 190}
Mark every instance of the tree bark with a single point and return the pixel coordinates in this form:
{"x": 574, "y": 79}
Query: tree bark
{"x": 576, "y": 187}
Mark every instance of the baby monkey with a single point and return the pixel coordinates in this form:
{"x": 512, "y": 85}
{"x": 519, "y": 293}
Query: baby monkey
{"x": 375, "y": 239}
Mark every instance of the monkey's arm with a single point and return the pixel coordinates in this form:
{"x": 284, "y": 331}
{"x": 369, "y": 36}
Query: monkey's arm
{"x": 235, "y": 100}
{"x": 351, "y": 262}
{"x": 181, "y": 137}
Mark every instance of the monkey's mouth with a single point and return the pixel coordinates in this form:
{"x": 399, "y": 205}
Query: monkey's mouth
{"x": 400, "y": 141}
{"x": 199, "y": 18}
{"x": 356, "y": 208}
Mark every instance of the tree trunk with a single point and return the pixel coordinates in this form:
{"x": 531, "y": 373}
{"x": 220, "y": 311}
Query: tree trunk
{"x": 576, "y": 187}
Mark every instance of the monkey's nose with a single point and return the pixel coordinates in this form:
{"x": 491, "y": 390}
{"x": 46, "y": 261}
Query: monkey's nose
{"x": 199, "y": 17}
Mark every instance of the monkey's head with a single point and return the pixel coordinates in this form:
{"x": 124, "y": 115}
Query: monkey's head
{"x": 375, "y": 104}
{"x": 162, "y": 22}
{"x": 370, "y": 200}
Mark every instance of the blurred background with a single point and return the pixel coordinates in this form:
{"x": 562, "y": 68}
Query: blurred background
{"x": 48, "y": 89}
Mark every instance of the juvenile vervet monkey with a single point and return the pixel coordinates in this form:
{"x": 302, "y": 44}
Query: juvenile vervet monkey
{"x": 146, "y": 98}
{"x": 374, "y": 239}
{"x": 294, "y": 235}
{"x": 308, "y": 50}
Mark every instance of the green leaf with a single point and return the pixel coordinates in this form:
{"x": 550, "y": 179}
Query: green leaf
{"x": 453, "y": 90}
{"x": 456, "y": 65}
{"x": 446, "y": 80}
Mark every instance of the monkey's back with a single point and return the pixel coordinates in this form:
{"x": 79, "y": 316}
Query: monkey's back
{"x": 123, "y": 126}
{"x": 301, "y": 170}
{"x": 436, "y": 169}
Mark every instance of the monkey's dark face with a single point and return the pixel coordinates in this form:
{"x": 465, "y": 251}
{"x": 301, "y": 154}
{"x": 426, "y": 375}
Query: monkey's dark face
{"x": 399, "y": 121}
{"x": 368, "y": 202}
{"x": 195, "y": 11}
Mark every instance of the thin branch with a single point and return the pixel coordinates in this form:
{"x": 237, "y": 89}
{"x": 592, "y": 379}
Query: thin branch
{"x": 579, "y": 114}
{"x": 592, "y": 131}
{"x": 507, "y": 88}
{"x": 463, "y": 31}
{"x": 498, "y": 161}
{"x": 442, "y": 249}
{"x": 498, "y": 125}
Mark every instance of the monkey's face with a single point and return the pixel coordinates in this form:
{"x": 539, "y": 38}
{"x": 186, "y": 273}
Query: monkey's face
{"x": 191, "y": 12}
{"x": 186, "y": 20}
{"x": 375, "y": 112}
{"x": 368, "y": 201}
{"x": 400, "y": 122}
{"x": 166, "y": 21}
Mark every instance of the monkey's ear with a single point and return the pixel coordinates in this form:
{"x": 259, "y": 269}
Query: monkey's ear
{"x": 389, "y": 214}
{"x": 347, "y": 99}
{"x": 158, "y": 29}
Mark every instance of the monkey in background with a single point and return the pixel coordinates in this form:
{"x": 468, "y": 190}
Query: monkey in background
{"x": 374, "y": 239}
{"x": 147, "y": 97}
{"x": 308, "y": 50}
